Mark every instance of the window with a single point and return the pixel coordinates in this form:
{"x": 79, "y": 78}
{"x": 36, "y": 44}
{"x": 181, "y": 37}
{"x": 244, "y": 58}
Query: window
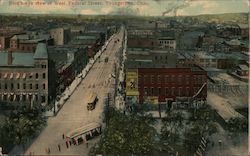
{"x": 36, "y": 97}
{"x": 172, "y": 91}
{"x": 187, "y": 91}
{"x": 187, "y": 80}
{"x": 180, "y": 80}
{"x": 145, "y": 79}
{"x": 24, "y": 98}
{"x": 166, "y": 79}
{"x": 159, "y": 91}
{"x": 30, "y": 76}
{"x": 11, "y": 86}
{"x": 43, "y": 66}
{"x": 166, "y": 91}
{"x": 159, "y": 79}
{"x": 0, "y": 86}
{"x": 152, "y": 79}
{"x": 5, "y": 97}
{"x": 18, "y": 98}
{"x": 37, "y": 87}
{"x": 145, "y": 91}
{"x": 172, "y": 78}
{"x": 180, "y": 91}
{"x": 36, "y": 75}
{"x": 5, "y": 86}
{"x": 43, "y": 86}
{"x": 18, "y": 86}
{"x": 155, "y": 57}
{"x": 152, "y": 91}
{"x": 24, "y": 86}
{"x": 30, "y": 86}
{"x": 43, "y": 99}
{"x": 44, "y": 75}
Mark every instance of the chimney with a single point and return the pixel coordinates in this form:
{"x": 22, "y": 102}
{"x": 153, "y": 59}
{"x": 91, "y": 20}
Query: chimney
{"x": 10, "y": 58}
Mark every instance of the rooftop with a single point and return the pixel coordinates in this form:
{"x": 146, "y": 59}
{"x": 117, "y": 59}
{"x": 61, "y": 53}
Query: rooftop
{"x": 41, "y": 51}
{"x": 19, "y": 59}
{"x": 92, "y": 37}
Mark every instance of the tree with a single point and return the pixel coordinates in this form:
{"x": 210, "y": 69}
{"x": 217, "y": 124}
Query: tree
{"x": 21, "y": 126}
{"x": 171, "y": 126}
{"x": 131, "y": 134}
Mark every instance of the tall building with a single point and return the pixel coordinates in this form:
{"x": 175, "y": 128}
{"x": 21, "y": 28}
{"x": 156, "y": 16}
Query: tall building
{"x": 25, "y": 79}
{"x": 61, "y": 36}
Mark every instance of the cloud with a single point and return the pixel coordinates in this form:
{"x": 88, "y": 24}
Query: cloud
{"x": 107, "y": 10}
{"x": 88, "y": 12}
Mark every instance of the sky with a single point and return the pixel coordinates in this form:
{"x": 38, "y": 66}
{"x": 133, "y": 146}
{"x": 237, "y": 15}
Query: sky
{"x": 127, "y": 7}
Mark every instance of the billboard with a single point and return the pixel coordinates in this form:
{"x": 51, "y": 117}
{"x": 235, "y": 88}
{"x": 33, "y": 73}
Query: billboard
{"x": 132, "y": 83}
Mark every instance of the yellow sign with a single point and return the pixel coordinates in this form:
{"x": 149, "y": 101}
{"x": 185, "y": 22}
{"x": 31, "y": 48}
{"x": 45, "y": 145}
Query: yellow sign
{"x": 132, "y": 83}
{"x": 152, "y": 99}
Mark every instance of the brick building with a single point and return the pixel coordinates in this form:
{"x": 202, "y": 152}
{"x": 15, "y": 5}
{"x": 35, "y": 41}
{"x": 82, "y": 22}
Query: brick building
{"x": 24, "y": 78}
{"x": 169, "y": 83}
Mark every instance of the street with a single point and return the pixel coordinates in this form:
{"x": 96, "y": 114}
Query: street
{"x": 74, "y": 112}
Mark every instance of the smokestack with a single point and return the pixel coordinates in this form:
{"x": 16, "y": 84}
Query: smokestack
{"x": 10, "y": 58}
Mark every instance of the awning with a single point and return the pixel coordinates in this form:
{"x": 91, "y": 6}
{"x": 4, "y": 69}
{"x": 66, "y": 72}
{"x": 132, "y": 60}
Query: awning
{"x": 5, "y": 75}
{"x": 24, "y": 75}
{"x": 17, "y": 75}
{"x": 11, "y": 75}
{"x": 14, "y": 99}
{"x": 30, "y": 74}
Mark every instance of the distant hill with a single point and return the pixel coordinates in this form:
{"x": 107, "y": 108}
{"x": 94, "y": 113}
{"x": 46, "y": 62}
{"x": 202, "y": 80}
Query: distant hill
{"x": 217, "y": 18}
{"x": 224, "y": 18}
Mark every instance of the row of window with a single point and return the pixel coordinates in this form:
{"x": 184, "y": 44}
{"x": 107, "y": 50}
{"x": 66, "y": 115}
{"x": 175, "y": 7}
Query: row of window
{"x": 23, "y": 98}
{"x": 167, "y": 92}
{"x": 167, "y": 42}
{"x": 172, "y": 79}
{"x": 2, "y": 75}
{"x": 11, "y": 86}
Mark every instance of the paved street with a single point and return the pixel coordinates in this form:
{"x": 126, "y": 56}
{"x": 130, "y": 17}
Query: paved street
{"x": 74, "y": 112}
{"x": 230, "y": 146}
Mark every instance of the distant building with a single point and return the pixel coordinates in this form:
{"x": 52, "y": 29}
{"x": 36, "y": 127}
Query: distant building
{"x": 166, "y": 85}
{"x": 243, "y": 70}
{"x": 5, "y": 42}
{"x": 61, "y": 36}
{"x": 25, "y": 79}
{"x": 244, "y": 30}
{"x": 69, "y": 62}
{"x": 203, "y": 59}
{"x": 28, "y": 42}
{"x": 146, "y": 58}
{"x": 167, "y": 43}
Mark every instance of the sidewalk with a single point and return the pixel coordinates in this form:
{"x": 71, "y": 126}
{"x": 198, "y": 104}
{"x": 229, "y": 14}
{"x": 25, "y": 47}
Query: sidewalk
{"x": 70, "y": 90}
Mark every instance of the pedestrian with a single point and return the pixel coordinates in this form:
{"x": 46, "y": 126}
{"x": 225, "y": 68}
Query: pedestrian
{"x": 59, "y": 147}
{"x": 67, "y": 144}
{"x": 48, "y": 150}
{"x": 63, "y": 135}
